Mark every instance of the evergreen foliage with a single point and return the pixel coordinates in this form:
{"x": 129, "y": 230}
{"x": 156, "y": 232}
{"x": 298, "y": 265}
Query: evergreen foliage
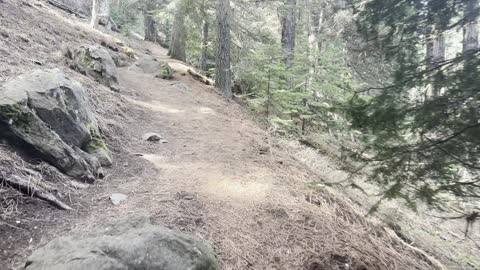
{"x": 422, "y": 127}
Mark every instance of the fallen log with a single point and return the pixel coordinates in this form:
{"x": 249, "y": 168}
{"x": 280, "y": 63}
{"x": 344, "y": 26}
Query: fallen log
{"x": 34, "y": 188}
{"x": 199, "y": 77}
{"x": 66, "y": 8}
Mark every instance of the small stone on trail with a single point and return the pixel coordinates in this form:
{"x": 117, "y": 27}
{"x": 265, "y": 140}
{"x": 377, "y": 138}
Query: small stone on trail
{"x": 118, "y": 198}
{"x": 264, "y": 150}
{"x": 152, "y": 137}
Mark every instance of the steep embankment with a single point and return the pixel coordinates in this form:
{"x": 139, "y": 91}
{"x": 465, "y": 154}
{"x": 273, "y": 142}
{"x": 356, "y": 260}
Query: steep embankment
{"x": 220, "y": 177}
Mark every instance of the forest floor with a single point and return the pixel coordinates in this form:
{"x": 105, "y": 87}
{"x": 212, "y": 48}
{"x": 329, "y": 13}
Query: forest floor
{"x": 220, "y": 177}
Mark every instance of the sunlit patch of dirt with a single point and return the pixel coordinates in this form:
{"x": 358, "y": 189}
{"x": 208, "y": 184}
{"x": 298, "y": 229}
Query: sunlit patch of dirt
{"x": 206, "y": 110}
{"x": 155, "y": 106}
{"x": 235, "y": 189}
{"x": 214, "y": 181}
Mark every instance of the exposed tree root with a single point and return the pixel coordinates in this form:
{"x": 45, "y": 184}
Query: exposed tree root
{"x": 35, "y": 188}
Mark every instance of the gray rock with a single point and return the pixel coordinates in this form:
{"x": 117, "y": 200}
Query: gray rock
{"x": 51, "y": 114}
{"x": 61, "y": 103}
{"x": 121, "y": 60}
{"x": 92, "y": 161}
{"x": 132, "y": 244}
{"x": 152, "y": 137}
{"x": 152, "y": 66}
{"x": 149, "y": 65}
{"x": 94, "y": 61}
{"x": 118, "y": 198}
{"x": 103, "y": 157}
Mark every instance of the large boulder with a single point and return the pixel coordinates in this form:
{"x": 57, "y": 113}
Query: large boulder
{"x": 95, "y": 62}
{"x": 131, "y": 244}
{"x": 52, "y": 116}
{"x": 61, "y": 103}
{"x": 153, "y": 66}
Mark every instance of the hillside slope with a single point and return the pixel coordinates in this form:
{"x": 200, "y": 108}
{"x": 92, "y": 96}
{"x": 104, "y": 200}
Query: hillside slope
{"x": 220, "y": 177}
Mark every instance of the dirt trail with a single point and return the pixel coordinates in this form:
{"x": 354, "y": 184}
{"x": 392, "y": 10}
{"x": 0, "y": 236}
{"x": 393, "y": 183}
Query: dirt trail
{"x": 223, "y": 179}
{"x": 216, "y": 178}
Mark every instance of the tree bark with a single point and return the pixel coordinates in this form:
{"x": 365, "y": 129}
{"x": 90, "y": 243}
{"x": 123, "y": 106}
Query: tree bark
{"x": 100, "y": 13}
{"x": 436, "y": 50}
{"x": 204, "y": 55}
{"x": 471, "y": 45}
{"x": 149, "y": 27}
{"x": 223, "y": 78}
{"x": 205, "y": 30}
{"x": 470, "y": 31}
{"x": 178, "y": 40}
{"x": 435, "y": 56}
{"x": 289, "y": 25}
{"x": 317, "y": 25}
{"x": 470, "y": 37}
{"x": 94, "y": 21}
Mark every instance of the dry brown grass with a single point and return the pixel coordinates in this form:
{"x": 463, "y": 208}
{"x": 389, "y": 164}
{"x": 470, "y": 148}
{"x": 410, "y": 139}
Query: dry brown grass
{"x": 442, "y": 238}
{"x": 9, "y": 164}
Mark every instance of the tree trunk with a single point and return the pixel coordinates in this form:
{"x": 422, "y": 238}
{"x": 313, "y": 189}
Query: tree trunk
{"x": 470, "y": 46}
{"x": 204, "y": 56}
{"x": 94, "y": 21}
{"x": 470, "y": 32}
{"x": 178, "y": 40}
{"x": 435, "y": 56}
{"x": 223, "y": 76}
{"x": 314, "y": 29}
{"x": 289, "y": 25}
{"x": 100, "y": 13}
{"x": 150, "y": 27}
{"x": 470, "y": 37}
{"x": 317, "y": 25}
{"x": 436, "y": 50}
